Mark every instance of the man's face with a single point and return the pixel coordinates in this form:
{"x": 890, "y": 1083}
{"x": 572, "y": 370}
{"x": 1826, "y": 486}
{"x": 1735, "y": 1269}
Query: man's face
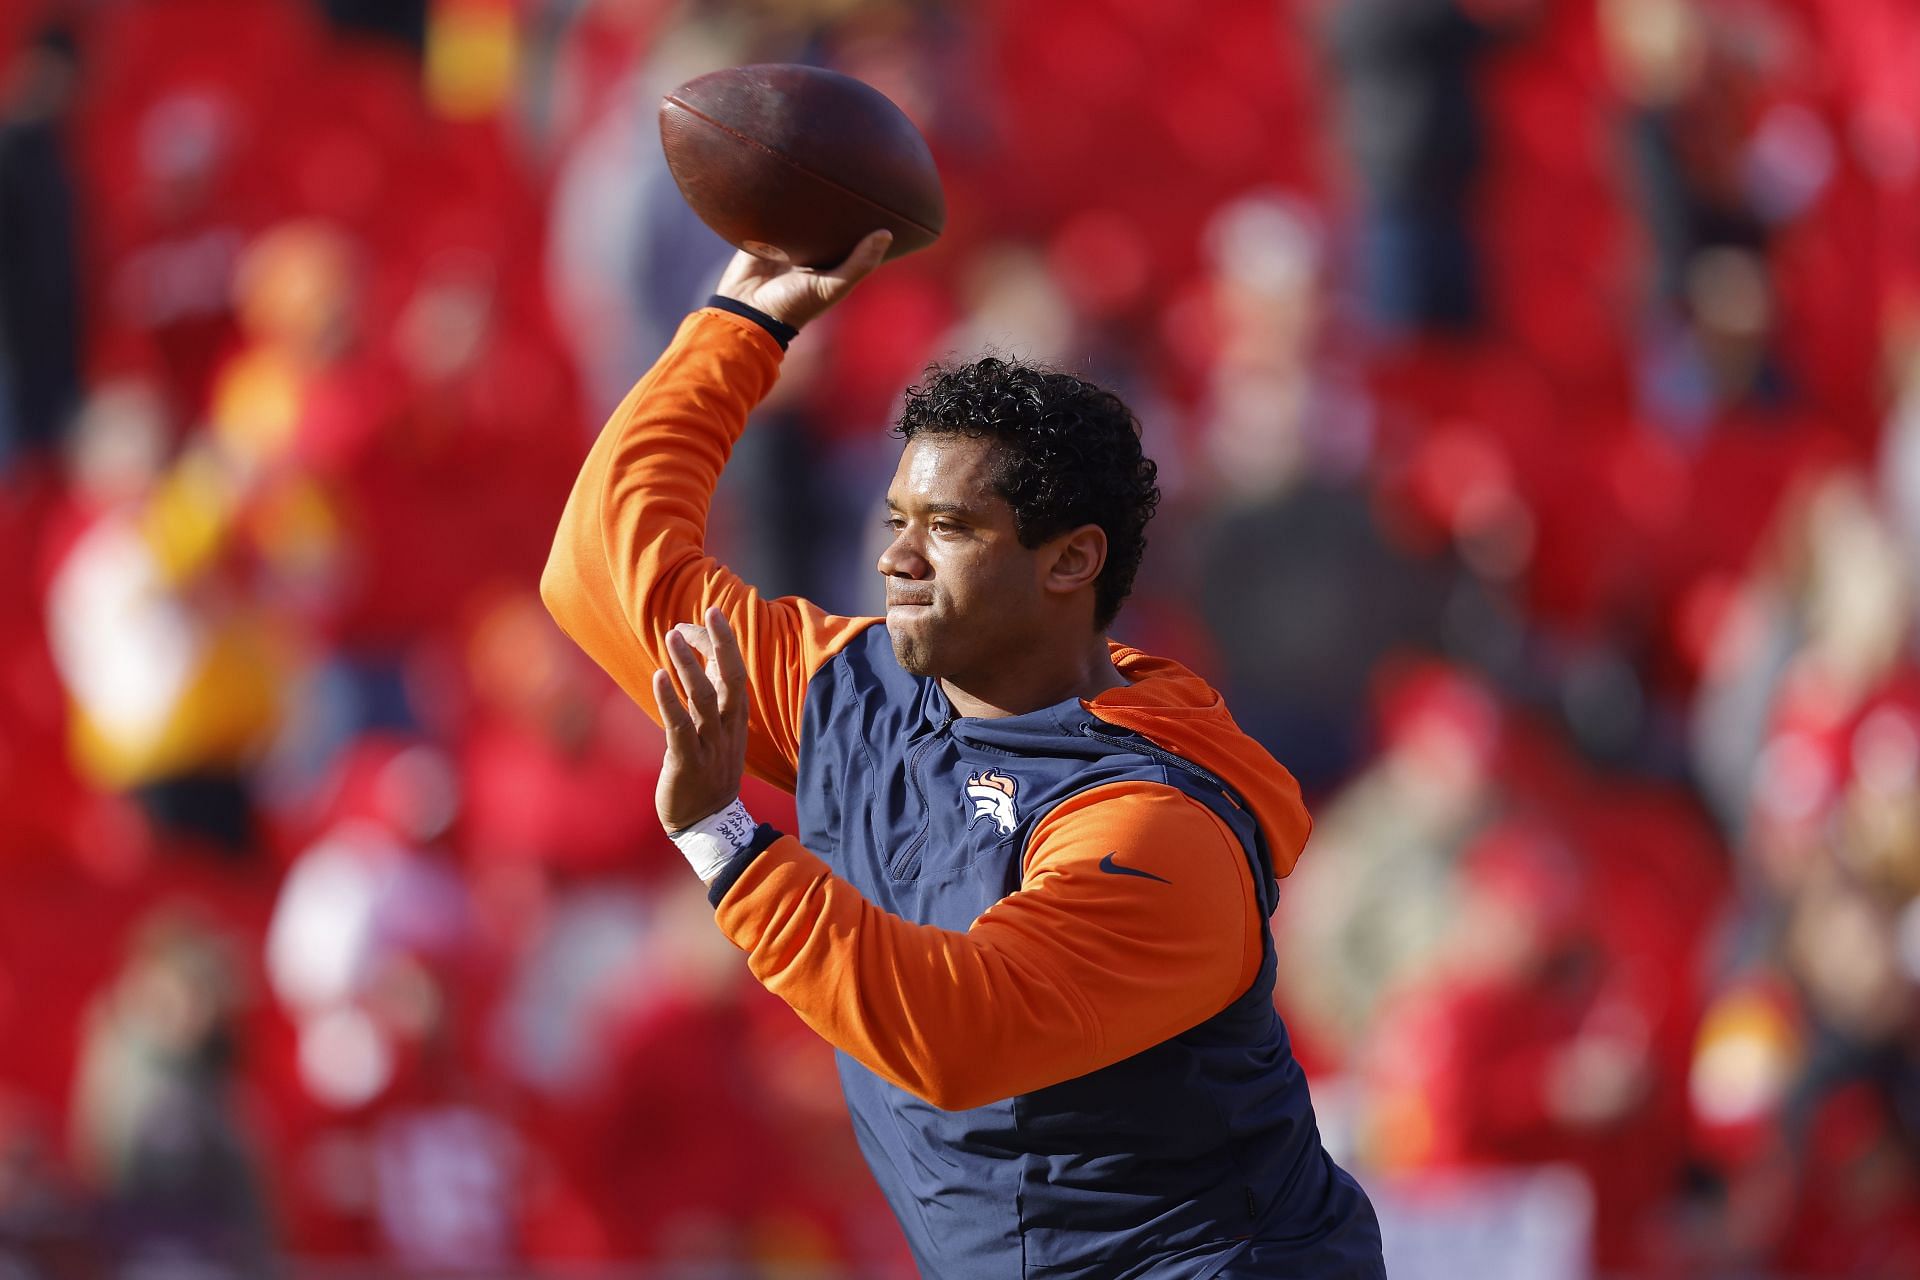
{"x": 963, "y": 596}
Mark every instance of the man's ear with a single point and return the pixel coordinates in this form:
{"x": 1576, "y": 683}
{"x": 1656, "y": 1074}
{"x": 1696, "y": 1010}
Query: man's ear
{"x": 1077, "y": 558}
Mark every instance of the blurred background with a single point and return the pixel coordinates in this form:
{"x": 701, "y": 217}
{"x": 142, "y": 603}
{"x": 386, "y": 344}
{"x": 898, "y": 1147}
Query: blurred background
{"x": 1536, "y": 389}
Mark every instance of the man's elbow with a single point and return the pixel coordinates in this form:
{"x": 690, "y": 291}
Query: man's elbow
{"x": 959, "y": 1089}
{"x": 950, "y": 1098}
{"x": 559, "y": 586}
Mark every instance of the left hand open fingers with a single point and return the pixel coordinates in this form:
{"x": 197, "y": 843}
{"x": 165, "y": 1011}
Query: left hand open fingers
{"x": 673, "y": 716}
{"x": 730, "y": 666}
{"x": 701, "y": 699}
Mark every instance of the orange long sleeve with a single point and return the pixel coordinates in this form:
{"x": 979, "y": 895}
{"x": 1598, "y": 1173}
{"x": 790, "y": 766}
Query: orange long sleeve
{"x": 1090, "y": 961}
{"x": 629, "y": 560}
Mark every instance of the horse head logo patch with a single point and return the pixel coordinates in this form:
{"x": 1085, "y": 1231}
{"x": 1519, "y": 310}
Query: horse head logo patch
{"x": 991, "y": 795}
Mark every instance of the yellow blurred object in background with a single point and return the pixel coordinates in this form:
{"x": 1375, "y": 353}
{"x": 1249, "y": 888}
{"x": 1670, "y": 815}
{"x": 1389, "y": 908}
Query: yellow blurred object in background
{"x": 473, "y": 54}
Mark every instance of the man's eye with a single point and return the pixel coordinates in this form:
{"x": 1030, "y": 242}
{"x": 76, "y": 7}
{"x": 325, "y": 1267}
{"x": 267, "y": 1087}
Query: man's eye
{"x": 894, "y": 523}
{"x": 945, "y": 526}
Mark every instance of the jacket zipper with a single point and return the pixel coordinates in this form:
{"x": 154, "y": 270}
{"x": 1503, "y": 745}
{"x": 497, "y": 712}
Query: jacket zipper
{"x": 907, "y": 865}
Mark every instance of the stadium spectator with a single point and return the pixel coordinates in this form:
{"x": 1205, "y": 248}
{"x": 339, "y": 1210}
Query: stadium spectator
{"x": 40, "y": 293}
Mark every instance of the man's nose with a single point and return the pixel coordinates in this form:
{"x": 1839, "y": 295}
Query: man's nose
{"x": 902, "y": 559}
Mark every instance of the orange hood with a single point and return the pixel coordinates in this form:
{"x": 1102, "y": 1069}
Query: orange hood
{"x": 1181, "y": 713}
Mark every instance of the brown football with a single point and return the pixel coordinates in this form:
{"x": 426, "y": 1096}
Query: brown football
{"x": 797, "y": 164}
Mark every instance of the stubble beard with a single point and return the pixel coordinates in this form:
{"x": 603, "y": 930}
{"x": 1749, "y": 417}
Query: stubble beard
{"x": 911, "y": 653}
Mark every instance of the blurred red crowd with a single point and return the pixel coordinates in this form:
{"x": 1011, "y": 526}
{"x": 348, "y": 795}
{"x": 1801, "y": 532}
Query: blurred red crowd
{"x": 1551, "y": 511}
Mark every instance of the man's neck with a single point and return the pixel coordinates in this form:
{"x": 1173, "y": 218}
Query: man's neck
{"x": 1029, "y": 686}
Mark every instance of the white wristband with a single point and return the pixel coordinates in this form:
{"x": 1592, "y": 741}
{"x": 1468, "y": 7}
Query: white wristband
{"x": 711, "y": 843}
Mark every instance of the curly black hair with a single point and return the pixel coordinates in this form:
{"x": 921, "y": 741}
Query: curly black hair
{"x": 1069, "y": 455}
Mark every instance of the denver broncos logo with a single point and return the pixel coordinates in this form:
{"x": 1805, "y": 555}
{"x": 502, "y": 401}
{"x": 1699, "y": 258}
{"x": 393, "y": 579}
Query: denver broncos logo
{"x": 991, "y": 795}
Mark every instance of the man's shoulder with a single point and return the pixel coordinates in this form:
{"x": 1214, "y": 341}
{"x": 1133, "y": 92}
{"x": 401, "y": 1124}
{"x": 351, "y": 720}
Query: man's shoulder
{"x": 862, "y": 679}
{"x": 865, "y": 658}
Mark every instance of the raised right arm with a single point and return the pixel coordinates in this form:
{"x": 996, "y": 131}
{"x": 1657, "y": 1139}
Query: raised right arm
{"x": 629, "y": 560}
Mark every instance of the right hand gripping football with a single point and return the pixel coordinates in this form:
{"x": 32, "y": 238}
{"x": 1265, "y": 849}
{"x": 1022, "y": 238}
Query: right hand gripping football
{"x": 795, "y": 295}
